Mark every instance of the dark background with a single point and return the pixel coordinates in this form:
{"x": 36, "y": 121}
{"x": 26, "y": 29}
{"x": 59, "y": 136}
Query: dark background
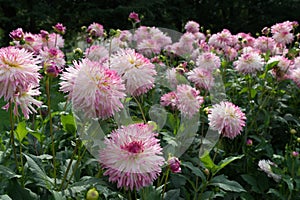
{"x": 235, "y": 15}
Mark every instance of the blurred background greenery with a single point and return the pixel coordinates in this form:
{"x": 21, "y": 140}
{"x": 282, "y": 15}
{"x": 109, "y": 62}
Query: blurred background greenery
{"x": 235, "y": 15}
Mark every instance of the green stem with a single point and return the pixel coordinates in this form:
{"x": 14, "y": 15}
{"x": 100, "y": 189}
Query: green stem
{"x": 140, "y": 107}
{"x": 51, "y": 127}
{"x": 69, "y": 166}
{"x": 76, "y": 166}
{"x": 166, "y": 180}
{"x": 22, "y": 167}
{"x": 12, "y": 136}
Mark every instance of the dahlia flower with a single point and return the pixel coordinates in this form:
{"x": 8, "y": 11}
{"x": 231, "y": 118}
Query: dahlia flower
{"x": 53, "y": 40}
{"x": 174, "y": 164}
{"x": 265, "y": 166}
{"x": 24, "y": 99}
{"x": 134, "y": 17}
{"x": 94, "y": 89}
{"x": 96, "y": 53}
{"x": 18, "y": 70}
{"x": 226, "y": 118}
{"x": 295, "y": 76}
{"x": 132, "y": 156}
{"x": 169, "y": 99}
{"x": 222, "y": 39}
{"x": 53, "y": 55}
{"x": 249, "y": 63}
{"x": 201, "y": 77}
{"x": 59, "y": 28}
{"x": 264, "y": 44}
{"x": 17, "y": 34}
{"x": 209, "y": 61}
{"x": 136, "y": 70}
{"x": 188, "y": 100}
{"x": 95, "y": 29}
{"x": 281, "y": 32}
{"x": 192, "y": 27}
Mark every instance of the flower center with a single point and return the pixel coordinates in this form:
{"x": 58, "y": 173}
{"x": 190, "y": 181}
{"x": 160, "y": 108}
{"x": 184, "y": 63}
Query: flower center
{"x": 134, "y": 147}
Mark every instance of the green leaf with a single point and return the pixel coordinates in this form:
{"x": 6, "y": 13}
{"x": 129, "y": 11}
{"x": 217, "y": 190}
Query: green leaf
{"x": 207, "y": 161}
{"x": 5, "y": 197}
{"x": 68, "y": 123}
{"x": 253, "y": 93}
{"x": 8, "y": 173}
{"x": 223, "y": 163}
{"x": 21, "y": 131}
{"x": 41, "y": 177}
{"x": 172, "y": 194}
{"x": 39, "y": 136}
{"x": 16, "y": 191}
{"x": 57, "y": 195}
{"x": 195, "y": 170}
{"x": 225, "y": 184}
{"x": 276, "y": 193}
{"x": 150, "y": 193}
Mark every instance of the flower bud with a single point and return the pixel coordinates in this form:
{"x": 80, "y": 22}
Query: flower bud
{"x": 59, "y": 28}
{"x": 295, "y": 154}
{"x": 134, "y": 17}
{"x": 92, "y": 194}
{"x": 17, "y": 34}
{"x": 174, "y": 164}
{"x": 293, "y": 131}
{"x": 249, "y": 142}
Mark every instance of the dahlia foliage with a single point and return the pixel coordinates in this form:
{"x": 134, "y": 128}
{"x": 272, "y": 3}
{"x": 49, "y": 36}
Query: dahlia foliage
{"x": 138, "y": 97}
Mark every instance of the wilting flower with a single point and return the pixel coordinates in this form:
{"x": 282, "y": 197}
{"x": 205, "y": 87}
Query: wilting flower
{"x": 226, "y": 118}
{"x": 95, "y": 30}
{"x": 134, "y": 17}
{"x": 132, "y": 156}
{"x": 93, "y": 88}
{"x": 18, "y": 70}
{"x": 188, "y": 100}
{"x": 174, "y": 164}
{"x": 249, "y": 63}
{"x": 265, "y": 166}
{"x": 202, "y": 78}
{"x": 136, "y": 70}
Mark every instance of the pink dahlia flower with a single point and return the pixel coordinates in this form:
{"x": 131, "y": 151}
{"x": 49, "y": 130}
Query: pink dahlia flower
{"x": 134, "y": 17}
{"x": 136, "y": 70}
{"x": 192, "y": 27}
{"x": 53, "y": 40}
{"x": 169, "y": 99}
{"x": 53, "y": 55}
{"x": 95, "y": 29}
{"x": 18, "y": 70}
{"x": 96, "y": 53}
{"x": 281, "y": 32}
{"x": 249, "y": 63}
{"x": 201, "y": 77}
{"x": 222, "y": 39}
{"x": 188, "y": 100}
{"x": 265, "y": 44}
{"x": 209, "y": 61}
{"x": 174, "y": 164}
{"x": 132, "y": 156}
{"x": 226, "y": 118}
{"x": 295, "y": 76}
{"x": 24, "y": 99}
{"x": 94, "y": 89}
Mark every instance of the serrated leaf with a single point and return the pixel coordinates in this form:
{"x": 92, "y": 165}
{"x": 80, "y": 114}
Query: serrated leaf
{"x": 68, "y": 122}
{"x": 41, "y": 176}
{"x": 21, "y": 131}
{"x": 225, "y": 184}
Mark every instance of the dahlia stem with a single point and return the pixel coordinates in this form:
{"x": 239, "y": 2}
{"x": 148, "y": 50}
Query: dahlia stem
{"x": 76, "y": 166}
{"x": 69, "y": 166}
{"x": 12, "y": 136}
{"x": 140, "y": 107}
{"x": 166, "y": 180}
{"x": 51, "y": 126}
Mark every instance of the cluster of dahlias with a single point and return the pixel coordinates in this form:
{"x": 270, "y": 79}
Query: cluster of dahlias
{"x": 20, "y": 66}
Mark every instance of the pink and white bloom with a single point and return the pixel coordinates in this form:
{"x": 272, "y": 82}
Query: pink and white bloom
{"x": 136, "y": 70}
{"x": 53, "y": 55}
{"x": 169, "y": 99}
{"x": 222, "y": 39}
{"x": 134, "y": 17}
{"x": 265, "y": 44}
{"x": 95, "y": 30}
{"x": 282, "y": 68}
{"x": 53, "y": 40}
{"x": 227, "y": 119}
{"x": 249, "y": 63}
{"x": 96, "y": 53}
{"x": 174, "y": 164}
{"x": 24, "y": 99}
{"x": 295, "y": 76}
{"x": 281, "y": 32}
{"x": 201, "y": 77}
{"x": 208, "y": 61}
{"x": 265, "y": 166}
{"x": 189, "y": 100}
{"x": 18, "y": 70}
{"x": 94, "y": 89}
{"x": 192, "y": 27}
{"x": 17, "y": 34}
{"x": 132, "y": 157}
